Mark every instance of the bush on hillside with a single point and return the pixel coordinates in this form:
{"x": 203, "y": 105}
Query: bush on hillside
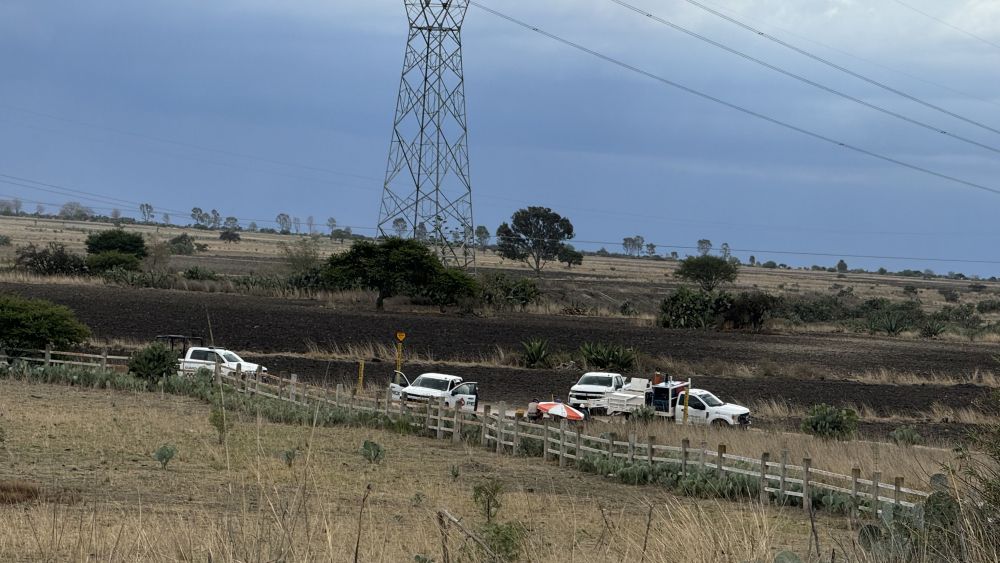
{"x": 34, "y": 323}
{"x": 50, "y": 260}
{"x": 750, "y": 310}
{"x": 153, "y": 362}
{"x": 117, "y": 240}
{"x": 501, "y": 292}
{"x": 827, "y": 421}
{"x": 105, "y": 261}
{"x": 687, "y": 308}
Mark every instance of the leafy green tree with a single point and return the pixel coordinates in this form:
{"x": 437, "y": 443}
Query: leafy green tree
{"x": 76, "y": 211}
{"x": 707, "y": 271}
{"x": 650, "y": 249}
{"x": 704, "y": 246}
{"x": 570, "y": 256}
{"x": 842, "y": 266}
{"x": 390, "y": 267}
{"x": 183, "y": 244}
{"x": 452, "y": 286}
{"x": 229, "y": 236}
{"x": 117, "y": 240}
{"x": 482, "y": 237}
{"x": 399, "y": 226}
{"x": 284, "y": 222}
{"x": 34, "y": 323}
{"x": 153, "y": 362}
{"x": 534, "y": 236}
{"x": 146, "y": 210}
{"x": 231, "y": 224}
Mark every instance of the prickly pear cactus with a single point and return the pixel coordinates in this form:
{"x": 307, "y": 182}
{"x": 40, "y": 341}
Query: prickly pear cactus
{"x": 787, "y": 557}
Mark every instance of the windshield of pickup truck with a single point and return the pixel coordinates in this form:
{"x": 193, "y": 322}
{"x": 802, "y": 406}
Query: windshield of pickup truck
{"x": 711, "y": 400}
{"x": 602, "y": 380}
{"x": 230, "y": 357}
{"x": 431, "y": 383}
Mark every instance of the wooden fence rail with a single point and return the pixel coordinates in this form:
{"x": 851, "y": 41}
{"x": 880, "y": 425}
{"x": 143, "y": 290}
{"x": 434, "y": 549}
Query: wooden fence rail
{"x": 561, "y": 442}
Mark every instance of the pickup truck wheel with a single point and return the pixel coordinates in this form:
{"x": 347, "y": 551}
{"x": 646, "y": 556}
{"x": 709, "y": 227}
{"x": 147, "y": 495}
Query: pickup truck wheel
{"x": 719, "y": 423}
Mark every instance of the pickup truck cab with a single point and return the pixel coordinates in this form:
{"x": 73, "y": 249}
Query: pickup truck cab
{"x": 432, "y": 387}
{"x": 594, "y": 385}
{"x": 198, "y": 357}
{"x": 706, "y": 408}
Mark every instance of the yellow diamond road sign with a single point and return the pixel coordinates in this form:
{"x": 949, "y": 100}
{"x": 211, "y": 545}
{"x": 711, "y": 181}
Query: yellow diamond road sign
{"x": 400, "y": 336}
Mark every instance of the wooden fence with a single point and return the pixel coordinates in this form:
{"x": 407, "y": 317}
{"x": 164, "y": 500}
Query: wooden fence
{"x": 561, "y": 442}
{"x": 50, "y": 357}
{"x": 564, "y": 442}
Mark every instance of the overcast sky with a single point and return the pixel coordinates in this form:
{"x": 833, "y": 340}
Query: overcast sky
{"x": 124, "y": 98}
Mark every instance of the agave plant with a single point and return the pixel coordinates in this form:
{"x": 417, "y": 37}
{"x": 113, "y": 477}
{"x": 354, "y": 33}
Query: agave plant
{"x": 608, "y": 356}
{"x": 536, "y": 353}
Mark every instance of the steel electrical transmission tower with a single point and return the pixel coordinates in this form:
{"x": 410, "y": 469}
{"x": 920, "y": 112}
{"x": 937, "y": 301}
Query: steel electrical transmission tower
{"x": 427, "y": 193}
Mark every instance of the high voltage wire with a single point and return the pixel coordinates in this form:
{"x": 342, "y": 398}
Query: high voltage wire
{"x": 736, "y": 107}
{"x": 803, "y": 79}
{"x": 942, "y": 22}
{"x": 841, "y": 68}
{"x": 863, "y": 59}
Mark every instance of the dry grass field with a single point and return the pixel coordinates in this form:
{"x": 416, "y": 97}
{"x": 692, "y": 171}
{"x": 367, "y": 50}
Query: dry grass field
{"x": 101, "y": 496}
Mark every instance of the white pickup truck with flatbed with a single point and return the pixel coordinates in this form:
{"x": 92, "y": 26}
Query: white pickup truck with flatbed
{"x": 198, "y": 357}
{"x": 668, "y": 399}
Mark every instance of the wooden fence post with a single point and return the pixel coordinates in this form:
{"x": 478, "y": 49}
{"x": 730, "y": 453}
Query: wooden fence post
{"x": 239, "y": 377}
{"x": 456, "y": 427}
{"x": 577, "y": 452}
{"x": 336, "y": 397}
{"x": 685, "y": 444}
{"x": 218, "y": 372}
{"x": 48, "y": 355}
{"x": 256, "y": 381}
{"x": 388, "y": 401}
{"x": 427, "y": 416}
{"x": 876, "y": 480}
{"x": 782, "y": 477}
{"x": 897, "y": 493}
{"x": 440, "y": 419}
{"x": 855, "y": 476}
{"x": 649, "y": 449}
{"x": 611, "y": 445}
{"x": 631, "y": 448}
{"x": 562, "y": 442}
{"x": 545, "y": 438}
{"x": 292, "y": 392}
{"x": 485, "y": 426}
{"x": 720, "y": 459}
{"x": 104, "y": 359}
{"x": 517, "y": 432}
{"x": 501, "y": 419}
{"x": 701, "y": 456}
{"x": 806, "y": 493}
{"x": 764, "y": 458}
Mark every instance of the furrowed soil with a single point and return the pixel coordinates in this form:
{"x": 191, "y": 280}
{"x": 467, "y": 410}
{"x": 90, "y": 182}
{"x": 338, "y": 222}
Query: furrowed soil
{"x": 281, "y": 330}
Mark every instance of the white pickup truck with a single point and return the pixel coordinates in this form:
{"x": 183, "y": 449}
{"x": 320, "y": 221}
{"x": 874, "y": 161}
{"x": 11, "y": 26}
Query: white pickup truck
{"x": 594, "y": 385}
{"x": 667, "y": 399}
{"x": 198, "y": 357}
{"x": 434, "y": 387}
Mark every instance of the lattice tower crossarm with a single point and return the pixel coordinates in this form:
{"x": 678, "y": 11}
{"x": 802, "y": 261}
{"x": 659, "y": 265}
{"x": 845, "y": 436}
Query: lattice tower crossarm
{"x": 427, "y": 192}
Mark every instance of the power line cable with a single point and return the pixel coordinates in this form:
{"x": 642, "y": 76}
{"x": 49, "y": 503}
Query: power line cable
{"x": 841, "y": 68}
{"x": 741, "y": 109}
{"x": 943, "y": 22}
{"x": 860, "y": 58}
{"x": 803, "y": 79}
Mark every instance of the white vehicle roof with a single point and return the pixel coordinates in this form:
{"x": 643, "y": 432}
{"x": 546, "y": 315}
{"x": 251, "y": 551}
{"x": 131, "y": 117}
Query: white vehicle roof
{"x": 446, "y": 377}
{"x": 609, "y": 374}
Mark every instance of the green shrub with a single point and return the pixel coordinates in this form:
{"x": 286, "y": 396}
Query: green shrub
{"x": 117, "y": 240}
{"x": 686, "y": 308}
{"x": 949, "y": 295}
{"x": 893, "y": 323}
{"x": 288, "y": 456}
{"x": 217, "y": 419}
{"x": 110, "y": 259}
{"x": 34, "y": 323}
{"x": 530, "y": 448}
{"x": 906, "y": 436}
{"x": 372, "y": 452}
{"x": 502, "y": 292}
{"x": 200, "y": 274}
{"x": 707, "y": 271}
{"x": 127, "y": 278}
{"x": 750, "y": 310}
{"x": 536, "y": 353}
{"x": 608, "y": 357}
{"x": 988, "y": 306}
{"x": 5, "y": 240}
{"x": 164, "y": 454}
{"x": 183, "y": 244}
{"x": 932, "y": 328}
{"x": 488, "y": 496}
{"x": 628, "y": 309}
{"x": 153, "y": 362}
{"x": 452, "y": 286}
{"x": 51, "y": 260}
{"x": 827, "y": 421}
{"x": 505, "y": 540}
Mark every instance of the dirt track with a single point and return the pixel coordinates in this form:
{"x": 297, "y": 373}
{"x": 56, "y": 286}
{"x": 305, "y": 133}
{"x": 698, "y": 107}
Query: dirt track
{"x": 275, "y": 325}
